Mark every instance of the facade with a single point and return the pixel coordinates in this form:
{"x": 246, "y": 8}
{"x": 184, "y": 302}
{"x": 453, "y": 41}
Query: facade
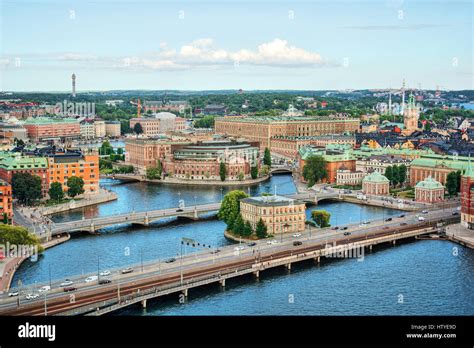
{"x": 429, "y": 191}
{"x": 411, "y": 116}
{"x": 349, "y": 177}
{"x": 112, "y": 129}
{"x": 144, "y": 153}
{"x": 467, "y": 197}
{"x": 280, "y": 214}
{"x": 162, "y": 122}
{"x": 99, "y": 127}
{"x": 380, "y": 163}
{"x": 375, "y": 184}
{"x": 262, "y": 129}
{"x": 87, "y": 129}
{"x": 6, "y": 202}
{"x": 43, "y": 128}
{"x": 12, "y": 163}
{"x": 290, "y": 145}
{"x": 172, "y": 105}
{"x": 436, "y": 166}
{"x": 202, "y": 161}
{"x": 13, "y": 131}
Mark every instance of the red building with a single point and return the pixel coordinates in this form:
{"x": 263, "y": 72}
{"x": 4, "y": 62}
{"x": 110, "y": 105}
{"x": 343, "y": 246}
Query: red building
{"x": 6, "y": 207}
{"x": 467, "y": 197}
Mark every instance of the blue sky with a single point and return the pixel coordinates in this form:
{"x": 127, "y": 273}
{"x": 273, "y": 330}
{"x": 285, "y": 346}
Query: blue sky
{"x": 197, "y": 45}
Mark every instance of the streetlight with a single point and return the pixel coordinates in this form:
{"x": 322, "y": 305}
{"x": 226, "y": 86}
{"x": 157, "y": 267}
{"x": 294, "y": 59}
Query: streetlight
{"x": 222, "y": 198}
{"x": 195, "y": 204}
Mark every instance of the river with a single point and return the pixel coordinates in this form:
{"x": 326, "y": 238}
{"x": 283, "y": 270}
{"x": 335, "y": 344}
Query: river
{"x": 424, "y": 275}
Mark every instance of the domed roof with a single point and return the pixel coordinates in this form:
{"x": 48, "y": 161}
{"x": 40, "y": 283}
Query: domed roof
{"x": 375, "y": 177}
{"x": 165, "y": 115}
{"x": 429, "y": 183}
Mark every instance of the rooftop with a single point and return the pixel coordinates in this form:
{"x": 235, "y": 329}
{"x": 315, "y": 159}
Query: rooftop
{"x": 49, "y": 120}
{"x": 429, "y": 183}
{"x": 375, "y": 177}
{"x": 271, "y": 201}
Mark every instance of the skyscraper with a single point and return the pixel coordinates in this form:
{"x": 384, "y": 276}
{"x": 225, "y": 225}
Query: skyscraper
{"x": 73, "y": 85}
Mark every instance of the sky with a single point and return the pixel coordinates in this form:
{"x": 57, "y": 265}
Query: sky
{"x": 249, "y": 45}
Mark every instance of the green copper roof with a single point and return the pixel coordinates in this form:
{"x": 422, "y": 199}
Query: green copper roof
{"x": 375, "y": 177}
{"x": 48, "y": 120}
{"x": 14, "y": 161}
{"x": 429, "y": 183}
{"x": 469, "y": 171}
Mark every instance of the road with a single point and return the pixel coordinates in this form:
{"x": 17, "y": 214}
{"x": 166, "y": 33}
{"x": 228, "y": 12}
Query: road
{"x": 159, "y": 272}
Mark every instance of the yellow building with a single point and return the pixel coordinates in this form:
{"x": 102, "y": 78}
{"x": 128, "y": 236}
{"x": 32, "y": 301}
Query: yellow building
{"x": 280, "y": 214}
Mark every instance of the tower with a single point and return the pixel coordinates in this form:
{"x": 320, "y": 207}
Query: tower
{"x": 411, "y": 115}
{"x": 402, "y": 110}
{"x": 467, "y": 197}
{"x": 74, "y": 85}
{"x": 390, "y": 102}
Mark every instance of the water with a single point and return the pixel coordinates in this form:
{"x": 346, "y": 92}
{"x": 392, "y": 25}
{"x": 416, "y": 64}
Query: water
{"x": 430, "y": 278}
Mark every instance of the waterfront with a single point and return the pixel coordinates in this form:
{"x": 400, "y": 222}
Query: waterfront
{"x": 327, "y": 289}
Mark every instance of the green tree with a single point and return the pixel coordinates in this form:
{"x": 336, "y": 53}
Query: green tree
{"x": 452, "y": 184}
{"x": 230, "y": 207}
{"x": 238, "y": 226}
{"x": 402, "y": 173}
{"x": 137, "y": 128}
{"x": 254, "y": 172}
{"x": 247, "y": 231}
{"x": 395, "y": 176}
{"x": 267, "y": 157}
{"x": 458, "y": 181}
{"x": 16, "y": 235}
{"x": 321, "y": 217}
{"x": 315, "y": 170}
{"x": 240, "y": 176}
{"x": 75, "y": 186}
{"x": 261, "y": 229}
{"x": 106, "y": 149}
{"x": 26, "y": 188}
{"x": 222, "y": 171}
{"x": 265, "y": 170}
{"x": 56, "y": 192}
{"x": 389, "y": 173}
{"x": 153, "y": 173}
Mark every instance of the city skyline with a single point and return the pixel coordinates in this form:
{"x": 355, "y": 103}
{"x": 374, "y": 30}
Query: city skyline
{"x": 253, "y": 46}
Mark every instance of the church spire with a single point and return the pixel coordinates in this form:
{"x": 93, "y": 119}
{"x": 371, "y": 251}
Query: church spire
{"x": 469, "y": 171}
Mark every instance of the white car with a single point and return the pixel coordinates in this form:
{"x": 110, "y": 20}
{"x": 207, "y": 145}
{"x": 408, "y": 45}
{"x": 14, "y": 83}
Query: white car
{"x": 104, "y": 273}
{"x": 91, "y": 279}
{"x": 421, "y": 218}
{"x": 44, "y": 289}
{"x": 13, "y": 293}
{"x": 425, "y": 211}
{"x": 67, "y": 282}
{"x": 274, "y": 241}
{"x": 32, "y": 296}
{"x": 238, "y": 248}
{"x": 296, "y": 235}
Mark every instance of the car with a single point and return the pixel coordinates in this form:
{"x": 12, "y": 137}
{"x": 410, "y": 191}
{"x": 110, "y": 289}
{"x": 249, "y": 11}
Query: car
{"x": 69, "y": 289}
{"x": 91, "y": 279}
{"x": 216, "y": 251}
{"x": 297, "y": 242}
{"x": 274, "y": 241}
{"x": 104, "y": 281}
{"x": 45, "y": 288}
{"x": 386, "y": 228}
{"x": 67, "y": 282}
{"x": 421, "y": 218}
{"x": 170, "y": 260}
{"x": 179, "y": 210}
{"x": 296, "y": 235}
{"x": 104, "y": 273}
{"x": 424, "y": 211}
{"x": 344, "y": 228}
{"x": 335, "y": 228}
{"x": 365, "y": 222}
{"x": 31, "y": 296}
{"x": 403, "y": 224}
{"x": 388, "y": 219}
{"x": 238, "y": 248}
{"x": 252, "y": 244}
{"x": 127, "y": 270}
{"x": 13, "y": 293}
{"x": 455, "y": 213}
{"x": 401, "y": 215}
{"x": 347, "y": 233}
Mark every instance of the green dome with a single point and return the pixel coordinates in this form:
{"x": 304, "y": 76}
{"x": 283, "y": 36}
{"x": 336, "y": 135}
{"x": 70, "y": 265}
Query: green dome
{"x": 375, "y": 177}
{"x": 429, "y": 183}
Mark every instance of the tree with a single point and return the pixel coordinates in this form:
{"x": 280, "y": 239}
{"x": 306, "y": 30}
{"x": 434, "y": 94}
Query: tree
{"x": 16, "y": 235}
{"x": 321, "y": 217}
{"x": 106, "y": 149}
{"x": 254, "y": 172}
{"x": 230, "y": 207}
{"x": 458, "y": 180}
{"x": 26, "y": 188}
{"x": 314, "y": 170}
{"x": 452, "y": 183}
{"x": 395, "y": 176}
{"x": 265, "y": 170}
{"x": 240, "y": 176}
{"x": 267, "y": 158}
{"x": 238, "y": 225}
{"x": 137, "y": 128}
{"x": 402, "y": 174}
{"x": 153, "y": 173}
{"x": 261, "y": 229}
{"x": 222, "y": 171}
{"x": 389, "y": 173}
{"x": 75, "y": 186}
{"x": 56, "y": 192}
{"x": 247, "y": 231}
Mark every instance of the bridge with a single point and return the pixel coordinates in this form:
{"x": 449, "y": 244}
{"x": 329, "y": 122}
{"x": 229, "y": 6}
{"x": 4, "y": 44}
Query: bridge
{"x": 145, "y": 218}
{"x": 181, "y": 274}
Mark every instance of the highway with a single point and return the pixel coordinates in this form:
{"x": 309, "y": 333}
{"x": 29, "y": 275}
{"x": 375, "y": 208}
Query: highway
{"x": 191, "y": 266}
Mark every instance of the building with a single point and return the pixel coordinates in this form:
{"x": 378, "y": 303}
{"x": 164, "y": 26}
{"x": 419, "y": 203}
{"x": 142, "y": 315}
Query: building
{"x": 410, "y": 116}
{"x": 64, "y": 164}
{"x": 6, "y": 202}
{"x": 280, "y": 214}
{"x": 349, "y": 177}
{"x": 12, "y": 163}
{"x": 467, "y": 197}
{"x": 10, "y": 132}
{"x": 375, "y": 184}
{"x": 144, "y": 153}
{"x": 212, "y": 109}
{"x": 45, "y": 128}
{"x": 202, "y": 161}
{"x": 429, "y": 191}
{"x": 161, "y": 123}
{"x": 262, "y": 129}
{"x": 289, "y": 146}
{"x": 112, "y": 129}
{"x": 87, "y": 128}
{"x": 380, "y": 163}
{"x": 436, "y": 166}
{"x": 99, "y": 128}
